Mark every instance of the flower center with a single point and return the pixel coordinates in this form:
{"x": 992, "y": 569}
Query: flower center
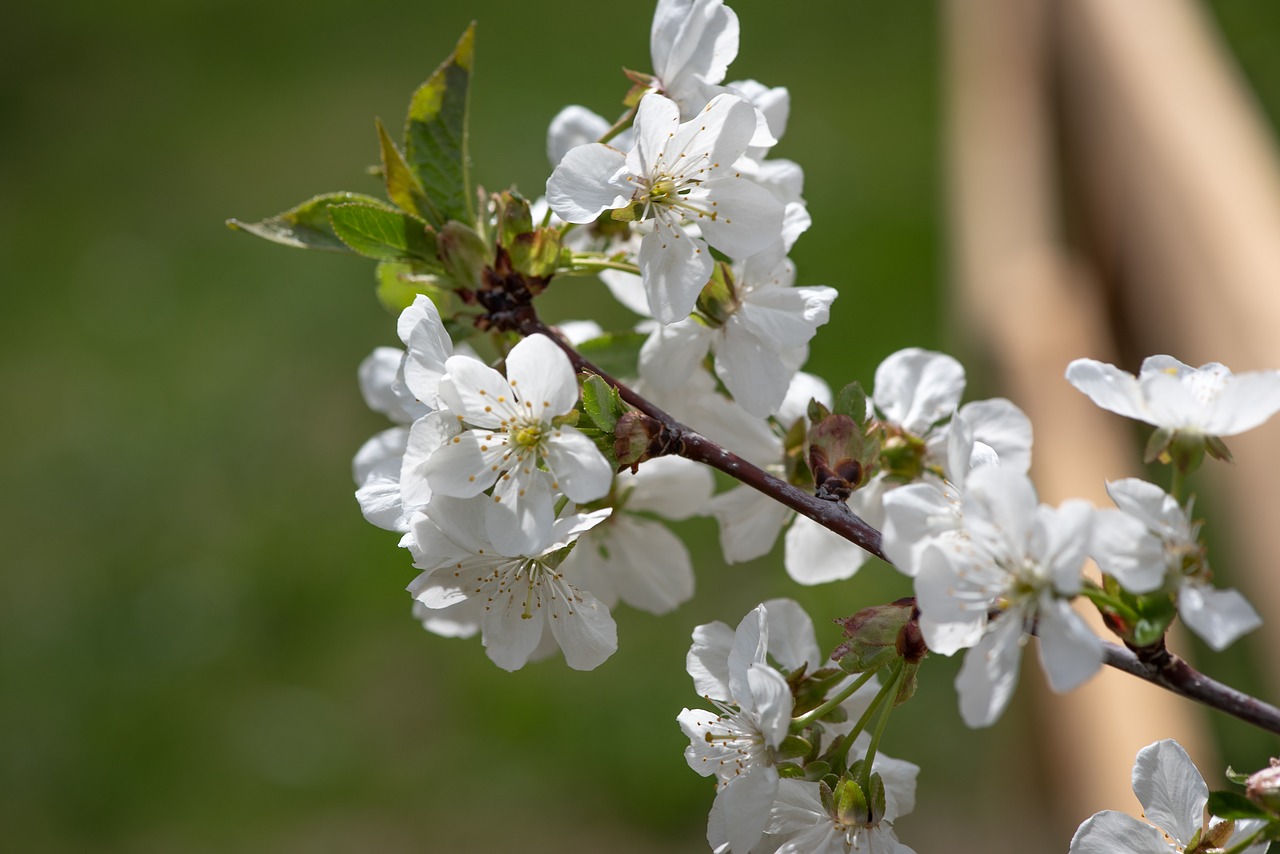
{"x": 528, "y": 436}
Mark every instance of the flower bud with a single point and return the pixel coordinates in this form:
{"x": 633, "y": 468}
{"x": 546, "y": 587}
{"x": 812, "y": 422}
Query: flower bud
{"x": 873, "y": 636}
{"x": 1263, "y": 788}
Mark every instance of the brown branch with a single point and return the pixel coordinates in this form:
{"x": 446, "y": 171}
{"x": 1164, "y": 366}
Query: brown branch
{"x": 1170, "y": 672}
{"x": 1164, "y": 670}
{"x": 833, "y": 515}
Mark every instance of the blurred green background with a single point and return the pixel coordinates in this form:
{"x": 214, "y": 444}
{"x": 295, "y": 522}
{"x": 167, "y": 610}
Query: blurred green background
{"x": 203, "y": 647}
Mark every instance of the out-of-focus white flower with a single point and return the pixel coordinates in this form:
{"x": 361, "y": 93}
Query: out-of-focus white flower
{"x": 1022, "y": 561}
{"x": 1208, "y": 400}
{"x": 1150, "y": 543}
{"x": 638, "y": 560}
{"x": 1173, "y": 797}
{"x": 800, "y": 823}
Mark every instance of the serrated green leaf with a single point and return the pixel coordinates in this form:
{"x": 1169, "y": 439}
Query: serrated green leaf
{"x": 1235, "y": 805}
{"x": 307, "y": 225}
{"x": 435, "y": 136}
{"x": 384, "y": 234}
{"x": 402, "y": 185}
{"x": 597, "y": 402}
{"x": 615, "y": 353}
{"x": 852, "y": 401}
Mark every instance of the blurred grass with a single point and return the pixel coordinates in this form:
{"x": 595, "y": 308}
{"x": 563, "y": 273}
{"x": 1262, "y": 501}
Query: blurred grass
{"x": 203, "y": 647}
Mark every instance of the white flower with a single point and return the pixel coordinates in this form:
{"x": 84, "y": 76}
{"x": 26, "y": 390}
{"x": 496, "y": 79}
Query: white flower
{"x": 917, "y": 400}
{"x": 521, "y": 595}
{"x": 677, "y": 174}
{"x": 1149, "y": 543}
{"x": 751, "y": 521}
{"x": 799, "y": 823}
{"x": 514, "y": 443}
{"x": 1023, "y": 561}
{"x": 634, "y": 558}
{"x": 1208, "y": 400}
{"x": 571, "y": 127}
{"x": 401, "y": 384}
{"x": 759, "y": 333}
{"x": 691, "y": 43}
{"x": 738, "y": 746}
{"x": 1173, "y": 797}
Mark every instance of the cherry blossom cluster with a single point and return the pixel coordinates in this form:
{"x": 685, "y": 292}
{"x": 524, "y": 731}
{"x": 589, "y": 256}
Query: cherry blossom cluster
{"x": 533, "y": 489}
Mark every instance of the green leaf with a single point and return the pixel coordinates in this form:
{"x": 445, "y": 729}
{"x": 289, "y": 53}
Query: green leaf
{"x": 402, "y": 185}
{"x": 307, "y": 225}
{"x": 615, "y": 353}
{"x": 435, "y": 136}
{"x": 852, "y": 401}
{"x": 384, "y": 234}
{"x": 1235, "y": 805}
{"x": 598, "y": 402}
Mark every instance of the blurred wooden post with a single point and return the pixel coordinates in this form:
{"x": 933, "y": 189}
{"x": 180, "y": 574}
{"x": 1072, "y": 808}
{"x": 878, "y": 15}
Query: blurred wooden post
{"x": 1030, "y": 308}
{"x": 1181, "y": 170}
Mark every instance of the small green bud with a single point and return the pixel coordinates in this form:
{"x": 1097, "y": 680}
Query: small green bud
{"x": 851, "y": 805}
{"x": 718, "y": 297}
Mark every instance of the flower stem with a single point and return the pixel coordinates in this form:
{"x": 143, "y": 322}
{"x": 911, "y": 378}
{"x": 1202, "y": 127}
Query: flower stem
{"x": 889, "y": 691}
{"x": 587, "y": 264}
{"x": 809, "y": 717}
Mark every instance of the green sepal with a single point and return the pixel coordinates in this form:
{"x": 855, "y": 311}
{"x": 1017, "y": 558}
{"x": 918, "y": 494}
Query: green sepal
{"x": 794, "y": 746}
{"x": 614, "y": 353}
{"x": 1233, "y": 805}
{"x": 1218, "y": 449}
{"x": 875, "y": 798}
{"x": 384, "y": 234}
{"x": 630, "y": 213}
{"x": 851, "y": 805}
{"x": 403, "y": 188}
{"x": 1157, "y": 445}
{"x": 306, "y": 226}
{"x": 569, "y": 419}
{"x": 790, "y": 770}
{"x": 435, "y": 136}
{"x": 717, "y": 299}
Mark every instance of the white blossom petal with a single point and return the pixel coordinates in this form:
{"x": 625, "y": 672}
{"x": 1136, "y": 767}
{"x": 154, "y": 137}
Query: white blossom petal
{"x": 915, "y": 388}
{"x": 1069, "y": 652}
{"x": 674, "y": 268}
{"x": 580, "y": 470}
{"x": 989, "y": 674}
{"x": 1111, "y": 832}
{"x": 816, "y": 555}
{"x": 1217, "y": 616}
{"x": 588, "y": 181}
{"x": 1170, "y": 789}
{"x": 749, "y": 523}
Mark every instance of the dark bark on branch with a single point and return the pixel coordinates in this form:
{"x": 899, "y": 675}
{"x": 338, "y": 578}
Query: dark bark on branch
{"x": 1163, "y": 669}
